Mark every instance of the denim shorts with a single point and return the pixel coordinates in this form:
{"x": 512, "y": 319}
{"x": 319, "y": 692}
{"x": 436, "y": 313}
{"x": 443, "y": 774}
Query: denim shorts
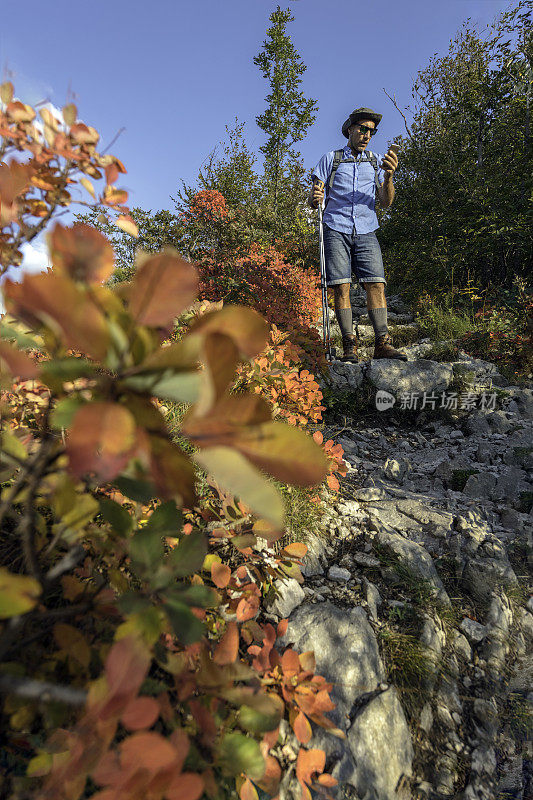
{"x": 350, "y": 254}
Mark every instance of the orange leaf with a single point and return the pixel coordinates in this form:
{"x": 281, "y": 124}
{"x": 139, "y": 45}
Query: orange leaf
{"x": 148, "y": 751}
{"x": 70, "y": 114}
{"x": 290, "y": 663}
{"x": 248, "y": 791}
{"x": 126, "y": 667}
{"x": 282, "y": 627}
{"x": 245, "y": 326}
{"x": 82, "y": 252}
{"x": 172, "y": 471}
{"x": 186, "y": 786}
{"x": 227, "y": 649}
{"x": 141, "y": 712}
{"x": 296, "y": 550}
{"x": 327, "y": 780}
{"x": 101, "y": 439}
{"x": 309, "y": 762}
{"x": 247, "y": 608}
{"x": 221, "y": 574}
{"x": 55, "y": 300}
{"x": 18, "y": 363}
{"x": 302, "y": 728}
{"x": 163, "y": 287}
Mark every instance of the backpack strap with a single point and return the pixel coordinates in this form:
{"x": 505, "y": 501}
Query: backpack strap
{"x": 338, "y": 159}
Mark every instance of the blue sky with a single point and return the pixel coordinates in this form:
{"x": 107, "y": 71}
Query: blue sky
{"x": 173, "y": 74}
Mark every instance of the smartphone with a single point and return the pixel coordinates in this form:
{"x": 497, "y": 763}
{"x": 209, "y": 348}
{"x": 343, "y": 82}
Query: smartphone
{"x": 394, "y": 148}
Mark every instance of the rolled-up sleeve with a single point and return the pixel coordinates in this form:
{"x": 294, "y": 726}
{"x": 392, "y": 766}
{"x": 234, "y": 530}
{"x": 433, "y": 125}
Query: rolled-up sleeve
{"x": 381, "y": 172}
{"x": 323, "y": 169}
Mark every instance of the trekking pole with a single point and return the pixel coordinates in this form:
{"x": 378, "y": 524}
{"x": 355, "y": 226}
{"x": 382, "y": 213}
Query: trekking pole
{"x": 323, "y": 285}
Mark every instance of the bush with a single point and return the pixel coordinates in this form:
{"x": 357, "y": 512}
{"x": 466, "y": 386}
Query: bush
{"x": 134, "y": 657}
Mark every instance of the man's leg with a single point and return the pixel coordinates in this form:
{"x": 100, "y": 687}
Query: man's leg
{"x": 369, "y": 267}
{"x": 339, "y": 276}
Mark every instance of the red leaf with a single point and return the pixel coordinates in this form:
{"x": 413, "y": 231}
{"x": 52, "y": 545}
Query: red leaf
{"x": 140, "y": 713}
{"x": 221, "y": 574}
{"x": 163, "y": 287}
{"x": 227, "y": 649}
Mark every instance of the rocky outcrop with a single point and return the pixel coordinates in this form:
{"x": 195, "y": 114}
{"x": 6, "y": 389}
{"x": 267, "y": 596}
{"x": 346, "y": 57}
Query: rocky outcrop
{"x": 415, "y": 596}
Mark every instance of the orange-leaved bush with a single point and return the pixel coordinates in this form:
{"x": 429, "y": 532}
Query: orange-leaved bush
{"x": 128, "y": 607}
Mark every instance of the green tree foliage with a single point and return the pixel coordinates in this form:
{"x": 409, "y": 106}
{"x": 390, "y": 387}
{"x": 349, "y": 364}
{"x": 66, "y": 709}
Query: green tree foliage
{"x": 464, "y": 182}
{"x": 287, "y": 116}
{"x": 155, "y": 231}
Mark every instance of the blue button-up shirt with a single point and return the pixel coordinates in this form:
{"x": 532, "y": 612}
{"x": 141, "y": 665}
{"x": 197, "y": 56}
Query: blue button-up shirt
{"x": 352, "y": 197}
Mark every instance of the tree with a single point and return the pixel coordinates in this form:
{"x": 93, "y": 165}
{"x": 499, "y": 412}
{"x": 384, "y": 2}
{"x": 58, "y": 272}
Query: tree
{"x": 288, "y": 115}
{"x": 463, "y": 204}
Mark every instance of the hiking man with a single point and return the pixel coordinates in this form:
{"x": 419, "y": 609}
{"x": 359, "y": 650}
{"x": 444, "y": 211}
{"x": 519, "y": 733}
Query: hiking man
{"x": 353, "y": 182}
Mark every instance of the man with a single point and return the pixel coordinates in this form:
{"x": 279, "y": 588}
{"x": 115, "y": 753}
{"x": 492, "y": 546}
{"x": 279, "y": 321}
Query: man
{"x": 350, "y": 222}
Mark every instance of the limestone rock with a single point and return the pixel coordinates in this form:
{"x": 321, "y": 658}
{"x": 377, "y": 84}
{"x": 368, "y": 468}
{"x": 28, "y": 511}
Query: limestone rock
{"x": 289, "y": 595}
{"x": 378, "y": 748}
{"x": 399, "y": 377}
{"x": 417, "y": 559}
{"x": 339, "y": 574}
{"x": 346, "y": 376}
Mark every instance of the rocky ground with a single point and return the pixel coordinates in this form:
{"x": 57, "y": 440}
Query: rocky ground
{"x": 415, "y": 598}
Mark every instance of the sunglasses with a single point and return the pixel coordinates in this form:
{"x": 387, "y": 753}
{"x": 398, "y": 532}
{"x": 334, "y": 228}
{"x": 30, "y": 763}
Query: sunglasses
{"x": 365, "y": 129}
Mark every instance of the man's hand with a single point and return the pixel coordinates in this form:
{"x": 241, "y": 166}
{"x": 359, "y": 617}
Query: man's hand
{"x": 389, "y": 163}
{"x": 316, "y": 196}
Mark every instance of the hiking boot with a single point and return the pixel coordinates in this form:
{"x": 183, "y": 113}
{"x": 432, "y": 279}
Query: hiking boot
{"x": 349, "y": 348}
{"x": 383, "y": 348}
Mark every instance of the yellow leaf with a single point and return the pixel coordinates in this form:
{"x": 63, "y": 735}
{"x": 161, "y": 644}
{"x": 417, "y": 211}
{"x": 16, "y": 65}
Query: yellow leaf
{"x": 6, "y": 92}
{"x": 40, "y": 765}
{"x": 18, "y": 594}
{"x": 73, "y": 643}
{"x": 90, "y": 188}
{"x": 70, "y": 114}
{"x": 127, "y": 225}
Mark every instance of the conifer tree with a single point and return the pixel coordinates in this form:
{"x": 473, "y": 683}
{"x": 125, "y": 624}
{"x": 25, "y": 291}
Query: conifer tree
{"x": 288, "y": 114}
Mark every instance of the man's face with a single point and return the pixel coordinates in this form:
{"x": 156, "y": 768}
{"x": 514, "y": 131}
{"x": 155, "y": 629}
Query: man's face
{"x": 357, "y": 139}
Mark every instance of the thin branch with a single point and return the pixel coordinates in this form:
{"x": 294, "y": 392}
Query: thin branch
{"x": 395, "y": 104}
{"x": 42, "y": 690}
{"x": 68, "y": 562}
{"x": 113, "y": 140}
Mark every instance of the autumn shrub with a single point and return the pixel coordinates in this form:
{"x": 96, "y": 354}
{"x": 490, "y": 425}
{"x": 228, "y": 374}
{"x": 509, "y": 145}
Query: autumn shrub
{"x": 134, "y": 658}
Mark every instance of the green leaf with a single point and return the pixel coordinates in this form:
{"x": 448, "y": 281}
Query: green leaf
{"x": 183, "y": 387}
{"x": 137, "y": 490}
{"x": 146, "y": 547}
{"x": 11, "y": 445}
{"x": 66, "y": 369}
{"x": 117, "y": 516}
{"x": 234, "y": 472}
{"x": 264, "y": 716}
{"x": 167, "y": 519}
{"x": 186, "y": 626}
{"x": 188, "y": 556}
{"x": 238, "y": 753}
{"x": 12, "y": 333}
{"x": 64, "y": 412}
{"x": 200, "y": 596}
